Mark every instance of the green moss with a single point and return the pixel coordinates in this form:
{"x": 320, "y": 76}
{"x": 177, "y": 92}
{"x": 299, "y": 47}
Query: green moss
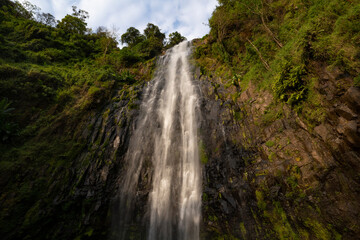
{"x": 205, "y": 197}
{"x": 203, "y": 156}
{"x": 90, "y": 127}
{"x": 262, "y": 173}
{"x": 32, "y": 215}
{"x": 337, "y": 236}
{"x": 357, "y": 81}
{"x": 304, "y": 235}
{"x": 271, "y": 114}
{"x": 93, "y": 90}
{"x": 270, "y": 143}
{"x": 132, "y": 105}
{"x": 260, "y": 200}
{"x": 318, "y": 229}
{"x": 106, "y": 143}
{"x": 238, "y": 116}
{"x": 106, "y": 114}
{"x": 243, "y": 230}
{"x": 89, "y": 232}
{"x": 212, "y": 218}
{"x": 272, "y": 156}
{"x": 280, "y": 223}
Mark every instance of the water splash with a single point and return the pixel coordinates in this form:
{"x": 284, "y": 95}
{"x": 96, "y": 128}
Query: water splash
{"x": 166, "y": 136}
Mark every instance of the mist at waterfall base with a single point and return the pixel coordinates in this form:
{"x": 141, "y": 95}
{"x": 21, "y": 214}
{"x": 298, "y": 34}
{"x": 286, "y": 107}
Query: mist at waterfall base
{"x": 163, "y": 156}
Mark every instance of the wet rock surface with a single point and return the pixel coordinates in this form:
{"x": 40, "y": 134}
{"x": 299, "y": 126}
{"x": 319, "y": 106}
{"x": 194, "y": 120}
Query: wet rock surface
{"x": 226, "y": 195}
{"x": 283, "y": 178}
{"x": 261, "y": 179}
{"x": 78, "y": 201}
{"x": 280, "y": 179}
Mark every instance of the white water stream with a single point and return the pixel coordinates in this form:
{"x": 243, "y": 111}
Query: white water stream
{"x": 166, "y": 135}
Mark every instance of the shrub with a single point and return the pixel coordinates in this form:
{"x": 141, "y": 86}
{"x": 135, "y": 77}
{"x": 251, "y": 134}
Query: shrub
{"x": 7, "y": 128}
{"x": 357, "y": 81}
{"x": 127, "y": 77}
{"x": 290, "y": 86}
{"x": 128, "y": 56}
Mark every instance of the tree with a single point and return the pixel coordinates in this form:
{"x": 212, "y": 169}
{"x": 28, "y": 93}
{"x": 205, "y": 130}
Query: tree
{"x": 153, "y": 31}
{"x": 132, "y": 37}
{"x": 154, "y": 43}
{"x": 257, "y": 7}
{"x": 47, "y": 19}
{"x": 107, "y": 39}
{"x": 82, "y": 14}
{"x": 147, "y": 45}
{"x": 74, "y": 23}
{"x": 175, "y": 38}
{"x": 220, "y": 22}
{"x": 26, "y": 9}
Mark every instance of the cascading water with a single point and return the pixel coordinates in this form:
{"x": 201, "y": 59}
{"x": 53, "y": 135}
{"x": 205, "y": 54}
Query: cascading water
{"x": 166, "y": 136}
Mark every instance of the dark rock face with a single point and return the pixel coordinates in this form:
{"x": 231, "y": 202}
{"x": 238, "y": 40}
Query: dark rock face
{"x": 275, "y": 180}
{"x": 108, "y": 143}
{"x": 281, "y": 179}
{"x": 226, "y": 195}
{"x": 82, "y": 193}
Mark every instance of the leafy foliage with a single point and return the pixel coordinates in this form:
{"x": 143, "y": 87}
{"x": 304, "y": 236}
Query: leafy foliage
{"x": 142, "y": 46}
{"x": 175, "y": 38}
{"x": 294, "y": 50}
{"x": 72, "y": 24}
{"x": 278, "y": 46}
{"x": 132, "y": 37}
{"x": 54, "y": 76}
{"x": 7, "y": 128}
{"x": 290, "y": 87}
{"x": 153, "y": 32}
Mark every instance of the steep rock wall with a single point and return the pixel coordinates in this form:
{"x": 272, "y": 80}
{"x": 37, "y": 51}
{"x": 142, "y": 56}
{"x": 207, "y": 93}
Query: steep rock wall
{"x": 280, "y": 178}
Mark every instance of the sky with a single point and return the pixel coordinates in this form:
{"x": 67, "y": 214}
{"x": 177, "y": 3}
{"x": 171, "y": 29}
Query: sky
{"x": 189, "y": 17}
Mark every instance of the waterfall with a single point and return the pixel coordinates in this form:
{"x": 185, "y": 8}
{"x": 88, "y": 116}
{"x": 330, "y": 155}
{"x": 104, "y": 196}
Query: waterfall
{"x": 166, "y": 138}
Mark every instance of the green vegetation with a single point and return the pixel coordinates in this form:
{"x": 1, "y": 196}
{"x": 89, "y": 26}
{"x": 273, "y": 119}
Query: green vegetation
{"x": 270, "y": 143}
{"x": 54, "y": 77}
{"x": 145, "y": 46}
{"x": 7, "y": 128}
{"x": 289, "y": 86}
{"x": 290, "y": 218}
{"x": 243, "y": 230}
{"x": 294, "y": 50}
{"x": 203, "y": 155}
{"x": 279, "y": 45}
{"x": 148, "y": 45}
{"x": 357, "y": 81}
{"x": 175, "y": 38}
{"x": 280, "y": 221}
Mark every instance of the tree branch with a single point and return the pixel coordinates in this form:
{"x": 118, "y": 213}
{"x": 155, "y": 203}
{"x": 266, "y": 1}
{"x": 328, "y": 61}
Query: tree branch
{"x": 269, "y": 31}
{"x": 266, "y": 65}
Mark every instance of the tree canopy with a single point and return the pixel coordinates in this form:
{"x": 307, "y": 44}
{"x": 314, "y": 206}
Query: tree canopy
{"x": 175, "y": 38}
{"x": 146, "y": 45}
{"x": 74, "y": 23}
{"x": 153, "y": 31}
{"x": 132, "y": 37}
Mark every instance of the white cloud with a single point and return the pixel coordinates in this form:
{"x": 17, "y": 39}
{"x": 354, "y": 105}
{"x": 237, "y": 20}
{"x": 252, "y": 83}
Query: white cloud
{"x": 186, "y": 16}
